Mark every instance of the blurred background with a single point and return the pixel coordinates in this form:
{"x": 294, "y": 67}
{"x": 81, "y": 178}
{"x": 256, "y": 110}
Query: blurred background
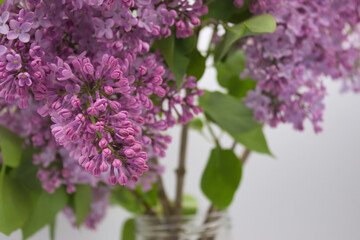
{"x": 310, "y": 190}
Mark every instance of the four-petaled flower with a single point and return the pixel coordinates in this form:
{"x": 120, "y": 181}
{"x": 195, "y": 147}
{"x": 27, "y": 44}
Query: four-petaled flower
{"x": 104, "y": 28}
{"x": 14, "y": 62}
{"x": 128, "y": 21}
{"x": 168, "y": 16}
{"x": 24, "y": 79}
{"x": 19, "y": 31}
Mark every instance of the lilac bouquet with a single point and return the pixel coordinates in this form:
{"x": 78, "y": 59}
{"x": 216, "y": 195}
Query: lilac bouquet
{"x": 88, "y": 89}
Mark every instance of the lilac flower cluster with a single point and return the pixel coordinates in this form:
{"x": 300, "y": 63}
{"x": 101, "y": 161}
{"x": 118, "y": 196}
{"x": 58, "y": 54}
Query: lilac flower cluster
{"x": 289, "y": 65}
{"x": 83, "y": 71}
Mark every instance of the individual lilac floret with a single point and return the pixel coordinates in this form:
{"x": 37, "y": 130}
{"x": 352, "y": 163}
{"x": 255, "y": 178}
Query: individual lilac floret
{"x": 104, "y": 28}
{"x": 128, "y": 21}
{"x": 168, "y": 16}
{"x": 19, "y": 31}
{"x": 14, "y": 62}
{"x": 4, "y": 28}
{"x": 24, "y": 80}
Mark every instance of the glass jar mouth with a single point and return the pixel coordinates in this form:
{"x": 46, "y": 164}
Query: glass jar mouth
{"x": 197, "y": 226}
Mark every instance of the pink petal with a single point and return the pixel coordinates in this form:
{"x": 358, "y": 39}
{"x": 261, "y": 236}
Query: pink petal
{"x": 25, "y": 27}
{"x": 109, "y": 34}
{"x": 5, "y": 16}
{"x": 14, "y": 24}
{"x": 24, "y": 37}
{"x": 4, "y": 29}
{"x": 12, "y": 35}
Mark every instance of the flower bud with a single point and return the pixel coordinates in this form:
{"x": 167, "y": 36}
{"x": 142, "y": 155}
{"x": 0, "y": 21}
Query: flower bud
{"x": 103, "y": 143}
{"x": 117, "y": 163}
{"x": 129, "y": 153}
{"x": 108, "y": 90}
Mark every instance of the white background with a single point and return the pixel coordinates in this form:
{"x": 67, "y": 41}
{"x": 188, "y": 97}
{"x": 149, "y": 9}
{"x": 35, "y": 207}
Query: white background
{"x": 310, "y": 191}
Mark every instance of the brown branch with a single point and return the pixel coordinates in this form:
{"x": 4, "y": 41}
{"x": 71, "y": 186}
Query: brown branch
{"x": 245, "y": 155}
{"x": 166, "y": 205}
{"x": 180, "y": 171}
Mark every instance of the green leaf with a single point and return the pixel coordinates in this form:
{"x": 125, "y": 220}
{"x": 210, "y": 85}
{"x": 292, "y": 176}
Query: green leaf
{"x": 190, "y": 205}
{"x": 197, "y": 124}
{"x": 151, "y": 196}
{"x": 221, "y": 177}
{"x": 175, "y": 53}
{"x": 235, "y": 118}
{"x": 260, "y": 24}
{"x": 228, "y": 112}
{"x": 82, "y": 202}
{"x": 187, "y": 45}
{"x": 179, "y": 69}
{"x": 224, "y": 10}
{"x": 128, "y": 231}
{"x": 166, "y": 47}
{"x": 228, "y": 75}
{"x": 45, "y": 210}
{"x": 240, "y": 87}
{"x": 15, "y": 205}
{"x": 127, "y": 200}
{"x": 233, "y": 66}
{"x": 25, "y": 174}
{"x": 11, "y": 147}
{"x": 220, "y": 9}
{"x": 197, "y": 65}
{"x": 254, "y": 140}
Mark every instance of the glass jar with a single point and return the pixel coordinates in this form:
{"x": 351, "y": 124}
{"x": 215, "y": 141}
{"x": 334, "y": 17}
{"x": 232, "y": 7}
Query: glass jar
{"x": 210, "y": 226}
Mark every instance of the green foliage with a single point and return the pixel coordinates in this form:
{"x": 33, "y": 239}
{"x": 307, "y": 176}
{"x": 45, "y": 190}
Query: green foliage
{"x": 150, "y": 197}
{"x": 182, "y": 57}
{"x": 254, "y": 26}
{"x": 254, "y": 140}
{"x": 180, "y": 67}
{"x": 190, "y": 205}
{"x": 197, "y": 65}
{"x": 15, "y": 205}
{"x": 128, "y": 231}
{"x": 123, "y": 197}
{"x": 82, "y": 202}
{"x": 186, "y": 45}
{"x": 44, "y": 211}
{"x": 235, "y": 118}
{"x": 23, "y": 203}
{"x": 197, "y": 124}
{"x": 166, "y": 47}
{"x": 11, "y": 147}
{"x": 16, "y": 200}
{"x": 25, "y": 174}
{"x": 228, "y": 112}
{"x": 175, "y": 53}
{"x": 221, "y": 177}
{"x": 224, "y": 10}
{"x": 228, "y": 75}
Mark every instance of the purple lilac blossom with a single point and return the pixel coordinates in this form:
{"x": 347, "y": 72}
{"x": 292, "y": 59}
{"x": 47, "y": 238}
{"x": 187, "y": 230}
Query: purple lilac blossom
{"x": 82, "y": 75}
{"x": 289, "y": 65}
